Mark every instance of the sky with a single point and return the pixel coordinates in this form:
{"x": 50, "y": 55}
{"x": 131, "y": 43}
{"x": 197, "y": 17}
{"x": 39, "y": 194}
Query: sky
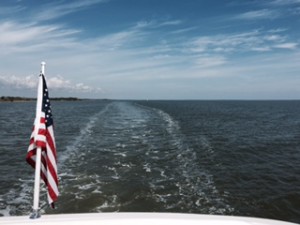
{"x": 151, "y": 49}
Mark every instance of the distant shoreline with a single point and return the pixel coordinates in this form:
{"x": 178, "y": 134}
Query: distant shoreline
{"x": 24, "y": 99}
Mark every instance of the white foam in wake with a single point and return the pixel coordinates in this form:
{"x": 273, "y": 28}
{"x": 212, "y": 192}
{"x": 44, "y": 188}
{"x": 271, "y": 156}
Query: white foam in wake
{"x": 84, "y": 133}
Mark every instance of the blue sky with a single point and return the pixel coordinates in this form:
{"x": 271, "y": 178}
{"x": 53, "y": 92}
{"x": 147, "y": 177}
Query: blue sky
{"x": 152, "y": 49}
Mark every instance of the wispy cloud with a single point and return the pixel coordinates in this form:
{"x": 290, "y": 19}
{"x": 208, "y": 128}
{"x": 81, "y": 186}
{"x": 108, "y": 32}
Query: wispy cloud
{"x": 274, "y": 37}
{"x": 261, "y": 49}
{"x": 7, "y": 10}
{"x": 288, "y": 8}
{"x": 226, "y": 43}
{"x": 259, "y": 14}
{"x": 183, "y": 30}
{"x": 157, "y": 23}
{"x": 20, "y": 37}
{"x": 116, "y": 40}
{"x": 209, "y": 61}
{"x": 257, "y": 40}
{"x": 55, "y": 10}
{"x": 170, "y": 23}
{"x": 285, "y": 2}
{"x": 288, "y": 45}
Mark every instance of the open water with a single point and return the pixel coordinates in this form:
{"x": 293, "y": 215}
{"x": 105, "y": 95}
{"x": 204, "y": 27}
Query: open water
{"x": 209, "y": 157}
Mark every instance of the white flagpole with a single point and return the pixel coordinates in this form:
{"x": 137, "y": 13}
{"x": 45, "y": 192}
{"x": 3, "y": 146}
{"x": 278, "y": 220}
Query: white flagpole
{"x": 36, "y": 197}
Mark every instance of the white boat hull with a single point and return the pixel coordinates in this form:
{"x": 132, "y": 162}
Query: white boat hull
{"x": 138, "y": 219}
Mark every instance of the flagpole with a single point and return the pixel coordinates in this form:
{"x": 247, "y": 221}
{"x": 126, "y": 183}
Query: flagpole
{"x": 36, "y": 197}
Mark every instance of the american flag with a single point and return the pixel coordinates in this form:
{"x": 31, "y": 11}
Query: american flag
{"x": 43, "y": 136}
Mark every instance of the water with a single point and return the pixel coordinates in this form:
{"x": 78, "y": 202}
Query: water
{"x": 210, "y": 157}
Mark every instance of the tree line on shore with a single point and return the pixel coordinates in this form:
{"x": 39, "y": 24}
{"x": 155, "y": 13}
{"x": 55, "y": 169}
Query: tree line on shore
{"x": 25, "y": 99}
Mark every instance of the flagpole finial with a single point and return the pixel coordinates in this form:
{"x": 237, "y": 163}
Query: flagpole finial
{"x": 43, "y": 67}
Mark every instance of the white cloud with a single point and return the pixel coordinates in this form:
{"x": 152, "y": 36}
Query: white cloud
{"x": 278, "y": 30}
{"x": 274, "y": 37}
{"x": 157, "y": 23}
{"x": 54, "y": 83}
{"x": 7, "y": 10}
{"x": 27, "y": 82}
{"x": 116, "y": 40}
{"x": 183, "y": 30}
{"x": 241, "y": 42}
{"x": 261, "y": 49}
{"x": 170, "y": 23}
{"x": 259, "y": 14}
{"x": 226, "y": 43}
{"x": 210, "y": 61}
{"x": 60, "y": 83}
{"x": 285, "y": 2}
{"x": 288, "y": 45}
{"x": 55, "y": 10}
{"x": 17, "y": 37}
